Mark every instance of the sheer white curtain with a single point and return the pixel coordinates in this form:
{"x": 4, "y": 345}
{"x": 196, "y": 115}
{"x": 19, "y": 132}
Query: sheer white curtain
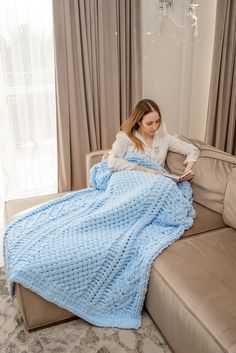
{"x": 28, "y": 156}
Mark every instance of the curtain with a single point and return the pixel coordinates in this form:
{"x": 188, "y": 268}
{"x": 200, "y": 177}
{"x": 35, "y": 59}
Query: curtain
{"x": 221, "y": 119}
{"x": 98, "y": 78}
{"x": 28, "y": 149}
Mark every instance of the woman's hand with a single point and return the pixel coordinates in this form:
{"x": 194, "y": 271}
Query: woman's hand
{"x": 189, "y": 176}
{"x": 189, "y": 167}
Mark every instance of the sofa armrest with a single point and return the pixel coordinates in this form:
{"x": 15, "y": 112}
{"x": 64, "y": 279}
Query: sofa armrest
{"x": 93, "y": 158}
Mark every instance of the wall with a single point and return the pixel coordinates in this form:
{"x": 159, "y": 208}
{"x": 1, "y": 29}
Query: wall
{"x": 177, "y": 66}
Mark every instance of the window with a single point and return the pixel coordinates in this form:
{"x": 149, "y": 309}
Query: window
{"x": 28, "y": 154}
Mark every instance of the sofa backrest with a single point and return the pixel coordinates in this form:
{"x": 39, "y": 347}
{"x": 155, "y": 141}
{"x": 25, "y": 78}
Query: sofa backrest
{"x": 212, "y": 176}
{"x": 229, "y": 209}
{"x": 214, "y": 183}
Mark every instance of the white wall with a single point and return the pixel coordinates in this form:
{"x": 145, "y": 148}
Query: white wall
{"x": 202, "y": 60}
{"x": 176, "y": 67}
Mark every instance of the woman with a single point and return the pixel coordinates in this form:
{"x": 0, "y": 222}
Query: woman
{"x": 142, "y": 133}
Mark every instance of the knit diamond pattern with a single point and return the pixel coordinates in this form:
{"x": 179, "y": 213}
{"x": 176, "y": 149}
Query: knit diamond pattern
{"x": 91, "y": 251}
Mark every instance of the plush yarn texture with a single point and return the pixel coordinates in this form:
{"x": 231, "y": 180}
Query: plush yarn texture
{"x": 91, "y": 251}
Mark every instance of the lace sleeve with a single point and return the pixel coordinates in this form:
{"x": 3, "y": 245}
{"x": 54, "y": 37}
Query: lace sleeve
{"x": 116, "y": 162}
{"x": 190, "y": 151}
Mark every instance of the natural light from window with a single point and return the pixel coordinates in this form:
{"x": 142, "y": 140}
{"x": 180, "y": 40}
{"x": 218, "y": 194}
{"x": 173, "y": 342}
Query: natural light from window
{"x": 28, "y": 154}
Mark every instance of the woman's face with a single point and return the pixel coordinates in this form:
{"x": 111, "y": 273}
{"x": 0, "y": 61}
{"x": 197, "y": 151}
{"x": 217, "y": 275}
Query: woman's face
{"x": 149, "y": 124}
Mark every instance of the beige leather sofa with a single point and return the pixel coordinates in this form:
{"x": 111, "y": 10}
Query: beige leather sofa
{"x": 192, "y": 289}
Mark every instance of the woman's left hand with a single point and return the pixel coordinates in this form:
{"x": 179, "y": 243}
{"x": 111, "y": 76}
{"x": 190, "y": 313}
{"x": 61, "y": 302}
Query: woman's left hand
{"x": 188, "y": 176}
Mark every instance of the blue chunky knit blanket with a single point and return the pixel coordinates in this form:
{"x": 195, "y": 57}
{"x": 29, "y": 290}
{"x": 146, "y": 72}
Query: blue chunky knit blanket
{"x": 91, "y": 251}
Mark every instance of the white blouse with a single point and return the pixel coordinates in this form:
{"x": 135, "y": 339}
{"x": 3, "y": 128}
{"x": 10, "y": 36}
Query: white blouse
{"x": 162, "y": 143}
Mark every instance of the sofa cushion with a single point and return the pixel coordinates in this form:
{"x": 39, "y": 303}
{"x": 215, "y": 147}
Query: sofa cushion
{"x": 211, "y": 174}
{"x": 195, "y": 277}
{"x": 14, "y": 208}
{"x": 229, "y": 211}
{"x": 205, "y": 221}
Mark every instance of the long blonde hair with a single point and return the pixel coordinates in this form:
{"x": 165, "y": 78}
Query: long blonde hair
{"x": 143, "y": 107}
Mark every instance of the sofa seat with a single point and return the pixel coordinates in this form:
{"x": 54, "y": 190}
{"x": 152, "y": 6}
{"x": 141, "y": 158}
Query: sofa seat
{"x": 194, "y": 283}
{"x": 205, "y": 221}
{"x": 38, "y": 312}
{"x": 14, "y": 208}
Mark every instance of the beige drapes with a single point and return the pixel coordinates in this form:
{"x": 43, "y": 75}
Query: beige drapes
{"x": 98, "y": 78}
{"x": 221, "y": 120}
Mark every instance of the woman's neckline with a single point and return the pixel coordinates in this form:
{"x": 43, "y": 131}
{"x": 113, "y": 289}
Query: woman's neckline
{"x": 144, "y": 140}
